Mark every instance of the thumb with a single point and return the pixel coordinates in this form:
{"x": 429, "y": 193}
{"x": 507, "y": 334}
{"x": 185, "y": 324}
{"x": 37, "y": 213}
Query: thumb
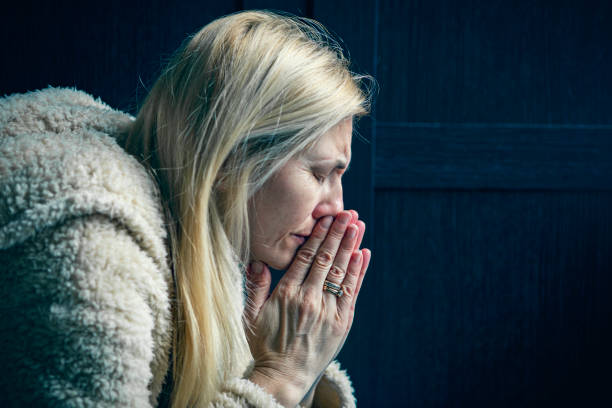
{"x": 258, "y": 283}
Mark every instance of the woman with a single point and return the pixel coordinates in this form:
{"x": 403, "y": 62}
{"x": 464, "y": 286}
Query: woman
{"x": 126, "y": 244}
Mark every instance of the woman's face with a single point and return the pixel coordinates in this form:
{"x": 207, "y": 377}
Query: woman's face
{"x": 283, "y": 213}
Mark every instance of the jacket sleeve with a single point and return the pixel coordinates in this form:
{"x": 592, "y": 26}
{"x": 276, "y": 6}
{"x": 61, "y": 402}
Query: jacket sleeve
{"x": 76, "y": 327}
{"x": 333, "y": 391}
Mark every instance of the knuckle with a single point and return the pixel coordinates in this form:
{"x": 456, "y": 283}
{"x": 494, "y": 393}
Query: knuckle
{"x": 284, "y": 291}
{"x": 305, "y": 256}
{"x": 337, "y": 233}
{"x": 353, "y": 273}
{"x": 258, "y": 282}
{"x": 319, "y": 232}
{"x": 324, "y": 258}
{"x": 348, "y": 292}
{"x": 336, "y": 272}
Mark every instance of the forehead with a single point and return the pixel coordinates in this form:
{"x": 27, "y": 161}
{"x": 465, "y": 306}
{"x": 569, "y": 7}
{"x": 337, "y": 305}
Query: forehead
{"x": 335, "y": 143}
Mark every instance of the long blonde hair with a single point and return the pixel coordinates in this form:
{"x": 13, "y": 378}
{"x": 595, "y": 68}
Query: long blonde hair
{"x": 242, "y": 96}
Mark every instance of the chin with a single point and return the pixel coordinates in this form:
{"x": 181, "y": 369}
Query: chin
{"x": 279, "y": 261}
{"x": 279, "y": 256}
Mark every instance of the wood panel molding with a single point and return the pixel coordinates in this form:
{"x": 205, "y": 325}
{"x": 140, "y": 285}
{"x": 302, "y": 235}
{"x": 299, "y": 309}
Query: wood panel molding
{"x": 499, "y": 157}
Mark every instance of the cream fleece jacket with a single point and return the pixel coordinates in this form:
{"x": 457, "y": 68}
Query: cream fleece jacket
{"x": 84, "y": 275}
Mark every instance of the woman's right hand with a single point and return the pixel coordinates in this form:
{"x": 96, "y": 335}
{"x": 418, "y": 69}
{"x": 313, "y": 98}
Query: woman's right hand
{"x": 295, "y": 332}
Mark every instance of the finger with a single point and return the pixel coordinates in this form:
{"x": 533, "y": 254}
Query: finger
{"x": 257, "y": 285}
{"x": 367, "y": 255}
{"x": 349, "y": 285}
{"x": 305, "y": 254}
{"x": 354, "y": 216}
{"x": 338, "y": 269}
{"x": 364, "y": 267}
{"x": 355, "y": 220}
{"x": 327, "y": 252}
{"x": 361, "y": 225}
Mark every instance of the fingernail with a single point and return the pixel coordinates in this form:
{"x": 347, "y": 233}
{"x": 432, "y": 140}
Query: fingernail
{"x": 256, "y": 267}
{"x": 352, "y": 231}
{"x": 357, "y": 257}
{"x": 344, "y": 218}
{"x": 326, "y": 222}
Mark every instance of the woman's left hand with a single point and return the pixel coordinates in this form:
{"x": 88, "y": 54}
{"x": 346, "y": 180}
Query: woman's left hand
{"x": 308, "y": 399}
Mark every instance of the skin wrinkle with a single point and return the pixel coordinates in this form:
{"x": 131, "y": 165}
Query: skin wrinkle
{"x": 324, "y": 259}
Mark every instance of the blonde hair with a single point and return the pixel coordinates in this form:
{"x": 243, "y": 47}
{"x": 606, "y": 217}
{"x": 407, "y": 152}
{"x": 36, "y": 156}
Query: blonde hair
{"x": 242, "y": 96}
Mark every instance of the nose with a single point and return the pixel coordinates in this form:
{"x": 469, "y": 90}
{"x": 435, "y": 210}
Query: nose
{"x": 331, "y": 203}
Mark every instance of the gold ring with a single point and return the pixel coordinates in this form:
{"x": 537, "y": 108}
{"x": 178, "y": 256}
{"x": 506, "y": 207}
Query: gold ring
{"x": 333, "y": 288}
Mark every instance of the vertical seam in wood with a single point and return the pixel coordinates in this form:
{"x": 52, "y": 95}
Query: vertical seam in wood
{"x": 373, "y": 131}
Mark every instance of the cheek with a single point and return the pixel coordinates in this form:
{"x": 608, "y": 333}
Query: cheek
{"x": 300, "y": 200}
{"x": 284, "y": 205}
{"x": 293, "y": 210}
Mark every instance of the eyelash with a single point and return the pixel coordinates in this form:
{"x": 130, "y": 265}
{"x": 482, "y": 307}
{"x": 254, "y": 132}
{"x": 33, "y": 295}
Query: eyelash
{"x": 319, "y": 177}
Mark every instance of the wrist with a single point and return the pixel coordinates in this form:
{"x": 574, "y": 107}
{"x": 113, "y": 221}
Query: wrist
{"x": 309, "y": 397}
{"x": 286, "y": 392}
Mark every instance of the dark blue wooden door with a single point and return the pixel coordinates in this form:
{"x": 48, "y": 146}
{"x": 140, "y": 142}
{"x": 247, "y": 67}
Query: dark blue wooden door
{"x": 491, "y": 148}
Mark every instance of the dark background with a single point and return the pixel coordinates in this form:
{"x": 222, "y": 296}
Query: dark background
{"x": 485, "y": 181}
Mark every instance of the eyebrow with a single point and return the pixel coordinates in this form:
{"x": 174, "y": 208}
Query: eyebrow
{"x": 339, "y": 164}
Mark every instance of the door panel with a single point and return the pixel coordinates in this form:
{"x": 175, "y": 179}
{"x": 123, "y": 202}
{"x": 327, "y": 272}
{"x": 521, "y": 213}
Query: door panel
{"x": 503, "y": 157}
{"x": 491, "y": 298}
{"x": 495, "y": 61}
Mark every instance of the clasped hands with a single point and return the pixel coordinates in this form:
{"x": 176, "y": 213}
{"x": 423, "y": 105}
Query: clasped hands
{"x": 298, "y": 329}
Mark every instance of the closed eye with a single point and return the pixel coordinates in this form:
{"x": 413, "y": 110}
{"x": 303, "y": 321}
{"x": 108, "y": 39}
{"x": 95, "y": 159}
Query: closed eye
{"x": 322, "y": 173}
{"x": 320, "y": 178}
